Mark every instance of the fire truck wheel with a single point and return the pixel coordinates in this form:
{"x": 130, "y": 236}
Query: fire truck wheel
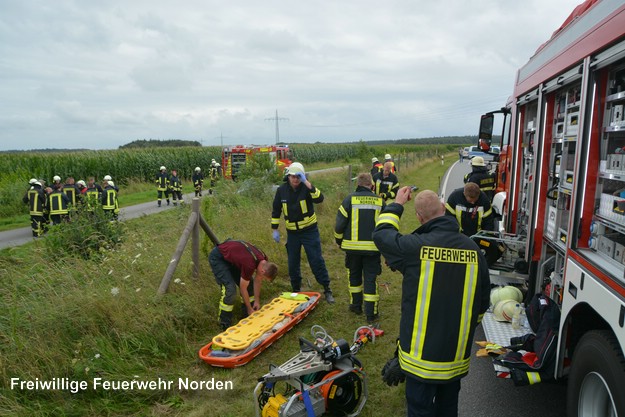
{"x": 597, "y": 377}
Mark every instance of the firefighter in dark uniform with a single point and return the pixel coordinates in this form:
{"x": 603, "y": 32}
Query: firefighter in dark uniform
{"x": 295, "y": 200}
{"x": 198, "y": 181}
{"x": 36, "y": 199}
{"x": 386, "y": 183}
{"x": 445, "y": 292}
{"x": 110, "y": 205}
{"x": 239, "y": 264}
{"x": 471, "y": 208}
{"x": 93, "y": 195}
{"x": 482, "y": 177}
{"x": 213, "y": 175}
{"x": 377, "y": 166}
{"x": 162, "y": 185}
{"x": 355, "y": 221}
{"x": 71, "y": 191}
{"x": 58, "y": 205}
{"x": 175, "y": 188}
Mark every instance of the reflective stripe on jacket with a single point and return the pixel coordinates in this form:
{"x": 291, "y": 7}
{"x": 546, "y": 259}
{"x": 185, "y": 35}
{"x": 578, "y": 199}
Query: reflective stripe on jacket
{"x": 445, "y": 292}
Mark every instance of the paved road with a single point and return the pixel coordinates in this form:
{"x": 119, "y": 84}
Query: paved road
{"x": 484, "y": 395}
{"x": 17, "y": 237}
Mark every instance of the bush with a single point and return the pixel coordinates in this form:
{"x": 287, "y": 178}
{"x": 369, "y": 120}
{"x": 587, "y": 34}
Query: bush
{"x": 86, "y": 234}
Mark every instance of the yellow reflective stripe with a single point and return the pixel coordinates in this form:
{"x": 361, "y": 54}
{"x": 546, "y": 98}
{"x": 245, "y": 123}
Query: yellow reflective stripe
{"x": 479, "y": 318}
{"x": 422, "y": 308}
{"x": 432, "y": 370}
{"x": 338, "y": 235}
{"x": 308, "y": 221}
{"x": 468, "y": 294}
{"x": 355, "y": 289}
{"x": 388, "y": 218}
{"x": 533, "y": 377}
{"x": 275, "y": 221}
{"x": 303, "y": 205}
{"x": 355, "y": 224}
{"x": 359, "y": 245}
{"x": 316, "y": 194}
{"x": 285, "y": 210}
{"x": 343, "y": 211}
{"x": 225, "y": 307}
{"x": 372, "y": 297}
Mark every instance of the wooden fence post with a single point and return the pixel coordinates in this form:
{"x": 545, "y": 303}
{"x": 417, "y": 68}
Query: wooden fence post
{"x": 162, "y": 289}
{"x": 195, "y": 239}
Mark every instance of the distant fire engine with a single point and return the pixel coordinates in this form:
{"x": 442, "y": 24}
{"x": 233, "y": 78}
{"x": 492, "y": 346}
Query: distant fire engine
{"x": 234, "y": 157}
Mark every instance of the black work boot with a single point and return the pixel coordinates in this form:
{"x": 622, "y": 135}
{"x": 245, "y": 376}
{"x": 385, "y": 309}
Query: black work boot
{"x": 356, "y": 309}
{"x": 329, "y": 296}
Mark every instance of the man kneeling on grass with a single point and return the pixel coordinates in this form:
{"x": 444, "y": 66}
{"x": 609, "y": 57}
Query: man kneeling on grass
{"x": 238, "y": 263}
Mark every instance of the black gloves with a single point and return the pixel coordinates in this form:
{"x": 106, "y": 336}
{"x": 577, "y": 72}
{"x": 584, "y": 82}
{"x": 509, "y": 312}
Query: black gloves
{"x": 392, "y": 373}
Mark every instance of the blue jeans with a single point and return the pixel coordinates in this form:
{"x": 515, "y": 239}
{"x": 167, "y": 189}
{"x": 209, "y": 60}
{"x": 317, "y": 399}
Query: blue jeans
{"x": 432, "y": 400}
{"x": 311, "y": 241}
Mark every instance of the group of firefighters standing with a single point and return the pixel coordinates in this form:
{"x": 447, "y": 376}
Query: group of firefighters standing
{"x": 52, "y": 204}
{"x": 170, "y": 185}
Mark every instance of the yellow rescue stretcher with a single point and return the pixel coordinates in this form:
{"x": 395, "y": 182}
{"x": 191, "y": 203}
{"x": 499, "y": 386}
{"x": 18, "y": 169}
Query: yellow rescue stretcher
{"x": 242, "y": 342}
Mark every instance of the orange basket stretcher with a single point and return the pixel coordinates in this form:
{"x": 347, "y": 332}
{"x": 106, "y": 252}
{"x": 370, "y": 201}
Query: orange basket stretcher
{"x": 242, "y": 342}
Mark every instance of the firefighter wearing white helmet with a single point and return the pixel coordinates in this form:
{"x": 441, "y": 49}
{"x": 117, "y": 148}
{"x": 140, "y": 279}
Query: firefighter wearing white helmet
{"x": 162, "y": 186}
{"x": 110, "y": 205}
{"x": 56, "y": 182}
{"x": 295, "y": 200}
{"x": 108, "y": 178}
{"x": 377, "y": 166}
{"x": 214, "y": 173}
{"x": 35, "y": 197}
{"x": 388, "y": 158}
{"x": 480, "y": 175}
{"x": 198, "y": 181}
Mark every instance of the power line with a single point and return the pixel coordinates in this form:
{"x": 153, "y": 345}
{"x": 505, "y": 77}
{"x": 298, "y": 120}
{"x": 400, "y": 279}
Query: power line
{"x": 277, "y": 120}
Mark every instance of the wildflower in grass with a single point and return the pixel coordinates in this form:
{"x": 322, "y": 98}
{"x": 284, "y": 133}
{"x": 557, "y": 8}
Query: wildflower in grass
{"x": 114, "y": 291}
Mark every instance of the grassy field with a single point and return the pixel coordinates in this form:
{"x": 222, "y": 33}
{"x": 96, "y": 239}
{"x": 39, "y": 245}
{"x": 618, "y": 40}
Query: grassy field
{"x": 78, "y": 320}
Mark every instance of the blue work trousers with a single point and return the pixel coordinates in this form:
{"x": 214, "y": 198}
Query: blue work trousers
{"x": 432, "y": 400}
{"x": 311, "y": 241}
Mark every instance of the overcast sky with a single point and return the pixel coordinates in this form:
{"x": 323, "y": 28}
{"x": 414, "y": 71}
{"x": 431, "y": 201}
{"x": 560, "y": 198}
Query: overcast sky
{"x": 99, "y": 74}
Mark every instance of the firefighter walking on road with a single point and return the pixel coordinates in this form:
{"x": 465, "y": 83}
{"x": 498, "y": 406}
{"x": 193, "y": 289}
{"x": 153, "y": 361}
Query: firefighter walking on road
{"x": 236, "y": 263}
{"x": 162, "y": 186}
{"x": 175, "y": 188}
{"x": 36, "y": 199}
{"x": 295, "y": 200}
{"x": 445, "y": 293}
{"x": 353, "y": 230}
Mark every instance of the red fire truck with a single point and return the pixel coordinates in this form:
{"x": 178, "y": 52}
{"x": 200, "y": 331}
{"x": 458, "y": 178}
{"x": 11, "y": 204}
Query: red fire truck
{"x": 233, "y": 157}
{"x": 561, "y": 183}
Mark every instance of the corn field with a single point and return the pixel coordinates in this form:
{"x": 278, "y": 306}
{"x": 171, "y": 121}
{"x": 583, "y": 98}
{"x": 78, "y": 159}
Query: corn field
{"x": 126, "y": 165}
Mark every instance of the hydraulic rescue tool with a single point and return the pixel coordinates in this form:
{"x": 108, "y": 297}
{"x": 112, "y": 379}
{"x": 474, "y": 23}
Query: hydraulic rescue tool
{"x": 325, "y": 377}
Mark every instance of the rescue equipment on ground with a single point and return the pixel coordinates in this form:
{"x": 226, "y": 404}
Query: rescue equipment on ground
{"x": 324, "y": 377}
{"x": 242, "y": 342}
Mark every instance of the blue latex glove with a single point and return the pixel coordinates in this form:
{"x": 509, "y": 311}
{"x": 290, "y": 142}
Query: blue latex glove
{"x": 301, "y": 176}
{"x": 276, "y": 235}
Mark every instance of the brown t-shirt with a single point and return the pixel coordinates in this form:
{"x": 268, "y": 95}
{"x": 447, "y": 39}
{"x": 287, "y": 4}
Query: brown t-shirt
{"x": 237, "y": 254}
